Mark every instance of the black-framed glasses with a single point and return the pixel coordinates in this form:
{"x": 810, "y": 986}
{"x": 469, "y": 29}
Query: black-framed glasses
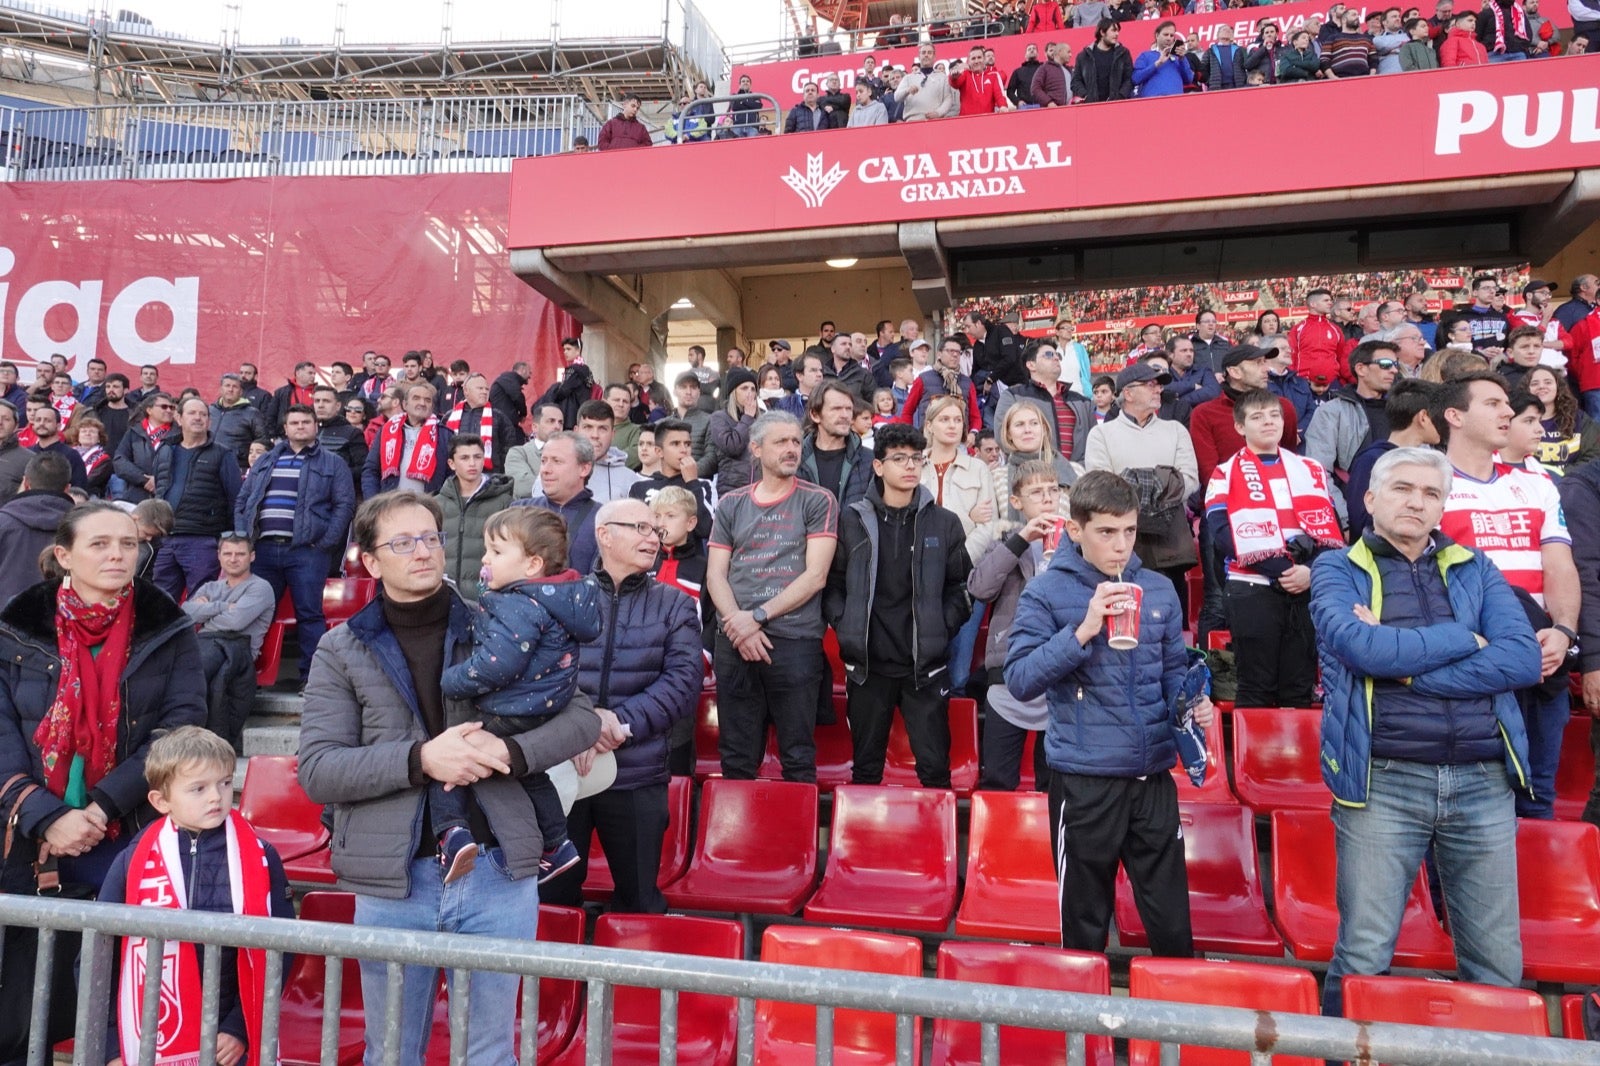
{"x": 644, "y": 529}
{"x": 905, "y": 460}
{"x": 405, "y": 545}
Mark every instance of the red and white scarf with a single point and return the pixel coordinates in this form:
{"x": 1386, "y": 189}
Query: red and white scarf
{"x": 157, "y": 434}
{"x": 155, "y": 879}
{"x": 64, "y": 406}
{"x": 424, "y": 456}
{"x": 1264, "y": 499}
{"x": 485, "y": 429}
{"x": 1519, "y": 24}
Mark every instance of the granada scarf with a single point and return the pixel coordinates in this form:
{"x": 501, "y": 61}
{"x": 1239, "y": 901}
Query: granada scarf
{"x": 1264, "y": 499}
{"x": 77, "y": 739}
{"x": 156, "y": 433}
{"x": 424, "y": 457}
{"x": 155, "y": 879}
{"x": 1519, "y": 24}
{"x": 485, "y": 429}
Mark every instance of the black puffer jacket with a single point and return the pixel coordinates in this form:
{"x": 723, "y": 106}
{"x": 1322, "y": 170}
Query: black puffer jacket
{"x": 135, "y": 459}
{"x": 163, "y": 687}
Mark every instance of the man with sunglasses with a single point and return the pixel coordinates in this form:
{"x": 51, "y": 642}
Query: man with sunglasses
{"x": 1355, "y": 416}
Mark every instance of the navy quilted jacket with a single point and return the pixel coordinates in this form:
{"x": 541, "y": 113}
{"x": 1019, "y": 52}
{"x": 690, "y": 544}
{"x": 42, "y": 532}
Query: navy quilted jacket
{"x": 524, "y": 647}
{"x": 645, "y": 666}
{"x": 1109, "y": 710}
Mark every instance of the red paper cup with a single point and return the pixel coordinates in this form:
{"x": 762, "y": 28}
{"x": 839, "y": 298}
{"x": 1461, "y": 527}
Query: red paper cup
{"x": 1122, "y": 630}
{"x": 1052, "y": 539}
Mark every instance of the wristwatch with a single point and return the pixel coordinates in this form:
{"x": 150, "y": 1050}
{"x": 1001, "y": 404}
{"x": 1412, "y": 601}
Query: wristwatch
{"x": 760, "y": 615}
{"x": 1572, "y": 638}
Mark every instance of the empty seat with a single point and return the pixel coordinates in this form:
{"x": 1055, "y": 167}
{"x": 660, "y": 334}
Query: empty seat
{"x": 1275, "y": 759}
{"x": 755, "y": 848}
{"x": 958, "y": 1043}
{"x": 1445, "y": 1005}
{"x": 1558, "y": 890}
{"x": 1572, "y": 1017}
{"x": 891, "y": 859}
{"x": 900, "y": 768}
{"x": 786, "y": 1033}
{"x": 707, "y": 760}
{"x": 1226, "y": 906}
{"x": 353, "y": 566}
{"x": 1304, "y": 866}
{"x": 1252, "y": 985}
{"x": 707, "y": 1025}
{"x": 300, "y": 1010}
{"x": 342, "y": 597}
{"x": 279, "y": 810}
{"x": 270, "y": 658}
{"x": 1575, "y": 772}
{"x": 597, "y": 883}
{"x": 1215, "y": 788}
{"x": 1011, "y": 876}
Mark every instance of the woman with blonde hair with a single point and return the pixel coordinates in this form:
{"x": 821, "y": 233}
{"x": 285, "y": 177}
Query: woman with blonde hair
{"x": 962, "y": 484}
{"x": 1024, "y": 438}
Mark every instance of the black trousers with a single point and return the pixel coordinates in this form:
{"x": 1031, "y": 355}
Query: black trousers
{"x": 632, "y": 825}
{"x": 926, "y": 712}
{"x": 1000, "y": 756}
{"x": 1097, "y": 823}
{"x": 1274, "y": 646}
{"x": 782, "y": 692}
{"x": 230, "y": 672}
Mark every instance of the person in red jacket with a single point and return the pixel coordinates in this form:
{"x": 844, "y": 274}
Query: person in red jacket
{"x": 981, "y": 92}
{"x": 1212, "y": 427}
{"x": 1583, "y": 361}
{"x": 624, "y": 130}
{"x": 1045, "y": 15}
{"x": 1316, "y": 343}
{"x": 1461, "y": 47}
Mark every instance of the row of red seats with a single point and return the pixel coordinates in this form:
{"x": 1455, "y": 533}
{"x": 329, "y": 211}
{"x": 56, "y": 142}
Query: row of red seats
{"x": 341, "y": 598}
{"x": 892, "y": 863}
{"x": 786, "y": 1032}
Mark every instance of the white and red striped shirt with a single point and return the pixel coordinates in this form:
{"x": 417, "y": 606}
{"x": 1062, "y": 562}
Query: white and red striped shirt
{"x": 1553, "y": 331}
{"x": 1509, "y": 518}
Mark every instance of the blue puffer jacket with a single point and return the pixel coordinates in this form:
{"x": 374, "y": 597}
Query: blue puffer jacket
{"x": 1442, "y": 660}
{"x": 645, "y": 667}
{"x": 1109, "y": 713}
{"x": 524, "y": 661}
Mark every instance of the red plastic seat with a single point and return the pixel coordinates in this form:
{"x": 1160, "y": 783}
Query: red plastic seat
{"x": 1304, "y": 868}
{"x": 353, "y": 566}
{"x": 1445, "y": 1005}
{"x": 597, "y": 882}
{"x": 707, "y": 1025}
{"x": 1026, "y": 780}
{"x": 958, "y": 1043}
{"x": 830, "y": 648}
{"x": 270, "y": 658}
{"x": 1572, "y": 1017}
{"x": 313, "y": 869}
{"x": 755, "y": 849}
{"x": 1226, "y": 906}
{"x": 901, "y": 766}
{"x": 891, "y": 859}
{"x": 1275, "y": 759}
{"x": 560, "y": 1002}
{"x": 1011, "y": 877}
{"x": 344, "y": 596}
{"x": 1558, "y": 890}
{"x": 1253, "y": 985}
{"x": 835, "y": 751}
{"x": 300, "y": 1010}
{"x": 1215, "y": 789}
{"x": 1575, "y": 771}
{"x": 1194, "y": 579}
{"x": 707, "y": 760}
{"x": 786, "y": 1033}
{"x": 279, "y": 810}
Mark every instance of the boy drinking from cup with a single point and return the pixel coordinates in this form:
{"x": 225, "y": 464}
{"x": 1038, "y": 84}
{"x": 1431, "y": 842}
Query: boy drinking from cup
{"x": 1109, "y": 740}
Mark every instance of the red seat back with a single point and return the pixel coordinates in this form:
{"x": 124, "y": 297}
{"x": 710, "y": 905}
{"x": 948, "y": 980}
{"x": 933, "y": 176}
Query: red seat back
{"x": 755, "y": 825}
{"x": 279, "y": 810}
{"x": 780, "y": 1023}
{"x": 1572, "y": 1017}
{"x": 1575, "y": 771}
{"x": 1445, "y": 1005}
{"x": 958, "y": 1043}
{"x": 1560, "y": 914}
{"x": 1011, "y": 877}
{"x": 707, "y": 761}
{"x": 699, "y": 1016}
{"x": 891, "y": 859}
{"x": 300, "y": 1012}
{"x": 597, "y": 881}
{"x": 900, "y": 767}
{"x": 344, "y": 596}
{"x": 1275, "y": 758}
{"x": 1256, "y": 986}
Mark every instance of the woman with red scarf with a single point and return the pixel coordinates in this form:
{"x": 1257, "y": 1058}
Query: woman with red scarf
{"x": 98, "y": 662}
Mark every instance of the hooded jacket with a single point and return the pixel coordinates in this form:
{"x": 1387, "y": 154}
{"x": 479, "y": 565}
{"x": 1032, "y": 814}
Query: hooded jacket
{"x": 645, "y": 667}
{"x": 1109, "y": 710}
{"x": 939, "y": 566}
{"x": 934, "y": 97}
{"x": 1019, "y": 87}
{"x": 28, "y": 524}
{"x": 463, "y": 529}
{"x": 609, "y": 477}
{"x": 998, "y": 579}
{"x": 163, "y": 687}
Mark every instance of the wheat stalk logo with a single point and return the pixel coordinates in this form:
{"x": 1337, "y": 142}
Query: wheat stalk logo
{"x": 814, "y": 186}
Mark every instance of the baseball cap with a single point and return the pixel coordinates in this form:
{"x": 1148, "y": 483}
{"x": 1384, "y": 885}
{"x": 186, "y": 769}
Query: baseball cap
{"x": 920, "y": 342}
{"x": 1244, "y": 353}
{"x": 686, "y": 378}
{"x": 1535, "y": 285}
{"x": 780, "y": 343}
{"x": 1132, "y": 375}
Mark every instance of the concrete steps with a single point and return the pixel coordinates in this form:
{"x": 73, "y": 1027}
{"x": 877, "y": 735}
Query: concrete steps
{"x": 274, "y": 727}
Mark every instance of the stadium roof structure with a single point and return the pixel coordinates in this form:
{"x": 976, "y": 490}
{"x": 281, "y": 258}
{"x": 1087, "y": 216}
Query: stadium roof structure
{"x": 129, "y": 59}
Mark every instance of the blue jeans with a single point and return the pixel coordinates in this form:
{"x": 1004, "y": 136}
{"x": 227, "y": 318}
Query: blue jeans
{"x": 1591, "y": 403}
{"x": 961, "y": 650}
{"x": 184, "y": 563}
{"x": 486, "y": 902}
{"x": 1466, "y": 813}
{"x": 1506, "y": 57}
{"x": 303, "y": 571}
{"x": 1545, "y": 718}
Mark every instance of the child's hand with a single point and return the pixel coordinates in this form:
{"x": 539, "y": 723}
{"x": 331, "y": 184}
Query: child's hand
{"x": 1204, "y": 714}
{"x": 230, "y": 1049}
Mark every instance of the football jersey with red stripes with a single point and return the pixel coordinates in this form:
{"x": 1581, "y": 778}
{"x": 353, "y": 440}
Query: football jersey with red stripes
{"x": 1509, "y": 518}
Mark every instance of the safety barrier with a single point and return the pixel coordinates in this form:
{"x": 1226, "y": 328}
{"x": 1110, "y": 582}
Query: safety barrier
{"x": 1262, "y": 1034}
{"x": 710, "y": 124}
{"x": 285, "y": 138}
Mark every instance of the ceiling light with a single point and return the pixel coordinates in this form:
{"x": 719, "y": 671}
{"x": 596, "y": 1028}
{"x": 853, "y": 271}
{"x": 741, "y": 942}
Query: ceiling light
{"x": 840, "y": 264}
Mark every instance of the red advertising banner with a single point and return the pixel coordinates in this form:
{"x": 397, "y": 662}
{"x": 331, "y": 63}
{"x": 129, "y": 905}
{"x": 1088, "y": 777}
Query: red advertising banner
{"x": 785, "y": 81}
{"x": 1446, "y": 281}
{"x": 1242, "y": 296}
{"x": 198, "y": 276}
{"x": 1457, "y": 124}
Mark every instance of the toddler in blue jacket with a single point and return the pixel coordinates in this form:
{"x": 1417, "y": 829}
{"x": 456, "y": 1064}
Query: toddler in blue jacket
{"x": 523, "y": 669}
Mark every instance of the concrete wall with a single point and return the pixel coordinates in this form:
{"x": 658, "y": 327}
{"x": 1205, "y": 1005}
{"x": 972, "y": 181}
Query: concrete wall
{"x": 792, "y": 305}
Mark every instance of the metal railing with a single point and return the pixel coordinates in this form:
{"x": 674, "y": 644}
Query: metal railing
{"x": 1075, "y": 1015}
{"x": 871, "y": 38}
{"x": 286, "y": 138}
{"x": 700, "y": 120}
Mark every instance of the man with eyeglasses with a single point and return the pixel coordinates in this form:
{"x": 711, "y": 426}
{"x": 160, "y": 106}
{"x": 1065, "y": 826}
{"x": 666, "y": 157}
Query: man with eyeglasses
{"x": 1070, "y": 414}
{"x": 771, "y": 545}
{"x": 373, "y": 737}
{"x": 1353, "y": 417}
{"x": 897, "y": 594}
{"x": 296, "y": 503}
